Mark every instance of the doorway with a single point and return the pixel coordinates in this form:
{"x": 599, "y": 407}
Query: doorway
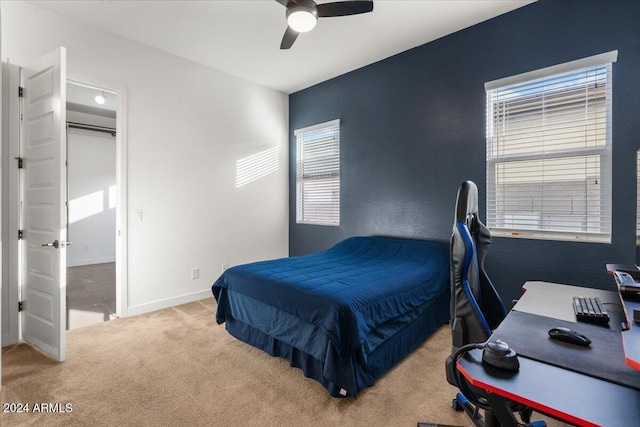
{"x": 91, "y": 204}
{"x": 13, "y": 264}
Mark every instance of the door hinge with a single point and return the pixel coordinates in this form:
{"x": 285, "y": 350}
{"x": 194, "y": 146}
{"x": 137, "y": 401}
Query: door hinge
{"x": 20, "y": 305}
{"x": 20, "y": 234}
{"x": 20, "y": 162}
{"x": 20, "y": 91}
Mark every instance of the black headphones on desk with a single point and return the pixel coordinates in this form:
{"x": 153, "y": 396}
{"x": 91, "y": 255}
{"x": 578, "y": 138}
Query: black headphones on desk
{"x": 499, "y": 354}
{"x": 495, "y": 353}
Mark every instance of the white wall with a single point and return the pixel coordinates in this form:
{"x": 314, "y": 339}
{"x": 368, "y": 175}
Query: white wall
{"x": 188, "y": 125}
{"x": 92, "y": 197}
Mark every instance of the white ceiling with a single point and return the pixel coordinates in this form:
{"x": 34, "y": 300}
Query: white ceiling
{"x": 242, "y": 37}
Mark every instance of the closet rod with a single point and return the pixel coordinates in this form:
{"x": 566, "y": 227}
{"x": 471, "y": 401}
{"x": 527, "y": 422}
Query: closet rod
{"x": 91, "y": 127}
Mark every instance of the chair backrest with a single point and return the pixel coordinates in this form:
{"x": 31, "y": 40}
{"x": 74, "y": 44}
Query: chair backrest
{"x": 476, "y": 307}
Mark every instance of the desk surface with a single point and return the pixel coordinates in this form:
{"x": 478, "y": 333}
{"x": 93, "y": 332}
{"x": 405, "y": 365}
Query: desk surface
{"x": 556, "y": 300}
{"x": 560, "y": 393}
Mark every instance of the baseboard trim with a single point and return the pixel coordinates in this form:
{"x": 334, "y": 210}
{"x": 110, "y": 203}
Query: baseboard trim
{"x": 81, "y": 262}
{"x": 166, "y": 303}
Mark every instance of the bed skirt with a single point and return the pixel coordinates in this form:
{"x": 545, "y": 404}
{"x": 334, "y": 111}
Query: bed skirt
{"x": 366, "y": 372}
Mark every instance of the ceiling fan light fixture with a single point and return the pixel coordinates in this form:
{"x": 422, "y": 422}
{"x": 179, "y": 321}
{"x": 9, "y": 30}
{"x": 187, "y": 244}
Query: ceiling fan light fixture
{"x": 302, "y": 18}
{"x": 100, "y": 98}
{"x": 302, "y": 15}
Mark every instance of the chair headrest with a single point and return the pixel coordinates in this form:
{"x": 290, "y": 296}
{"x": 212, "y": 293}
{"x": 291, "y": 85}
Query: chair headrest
{"x": 467, "y": 203}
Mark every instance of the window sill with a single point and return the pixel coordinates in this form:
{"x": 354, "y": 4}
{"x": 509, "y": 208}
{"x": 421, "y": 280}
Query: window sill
{"x": 551, "y": 235}
{"x": 328, "y": 224}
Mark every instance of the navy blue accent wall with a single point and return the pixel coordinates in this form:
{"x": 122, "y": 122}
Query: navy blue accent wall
{"x": 413, "y": 128}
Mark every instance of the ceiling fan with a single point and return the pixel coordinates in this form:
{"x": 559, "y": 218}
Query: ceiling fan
{"x": 302, "y": 15}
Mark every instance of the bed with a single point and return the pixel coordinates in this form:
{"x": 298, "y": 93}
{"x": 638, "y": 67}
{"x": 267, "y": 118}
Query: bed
{"x": 344, "y": 316}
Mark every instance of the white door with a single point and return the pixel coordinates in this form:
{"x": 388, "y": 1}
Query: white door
{"x": 43, "y": 149}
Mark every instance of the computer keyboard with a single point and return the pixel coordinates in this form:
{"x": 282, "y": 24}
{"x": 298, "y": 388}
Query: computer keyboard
{"x": 590, "y": 309}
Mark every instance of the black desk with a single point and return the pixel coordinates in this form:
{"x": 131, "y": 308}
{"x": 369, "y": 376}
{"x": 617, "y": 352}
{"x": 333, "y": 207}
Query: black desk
{"x": 566, "y": 395}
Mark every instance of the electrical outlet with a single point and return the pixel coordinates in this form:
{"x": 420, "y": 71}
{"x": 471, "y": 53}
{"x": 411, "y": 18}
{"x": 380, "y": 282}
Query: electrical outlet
{"x": 224, "y": 266}
{"x": 195, "y": 273}
{"x": 86, "y": 248}
{"x": 137, "y": 214}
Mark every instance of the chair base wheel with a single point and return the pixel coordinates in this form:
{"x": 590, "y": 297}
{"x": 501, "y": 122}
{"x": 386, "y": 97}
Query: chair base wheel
{"x": 457, "y": 406}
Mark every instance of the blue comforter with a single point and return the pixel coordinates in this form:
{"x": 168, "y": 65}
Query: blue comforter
{"x": 338, "y": 305}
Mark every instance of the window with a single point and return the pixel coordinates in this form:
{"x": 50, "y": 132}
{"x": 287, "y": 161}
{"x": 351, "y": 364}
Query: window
{"x": 318, "y": 174}
{"x": 549, "y": 152}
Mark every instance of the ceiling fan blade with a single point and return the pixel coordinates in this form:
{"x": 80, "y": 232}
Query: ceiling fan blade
{"x": 344, "y": 8}
{"x": 289, "y": 37}
{"x": 283, "y": 2}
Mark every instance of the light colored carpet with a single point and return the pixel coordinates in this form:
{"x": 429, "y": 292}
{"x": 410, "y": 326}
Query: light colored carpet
{"x": 177, "y": 367}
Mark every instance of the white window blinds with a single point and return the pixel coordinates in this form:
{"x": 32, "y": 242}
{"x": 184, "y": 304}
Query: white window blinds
{"x": 549, "y": 152}
{"x": 318, "y": 174}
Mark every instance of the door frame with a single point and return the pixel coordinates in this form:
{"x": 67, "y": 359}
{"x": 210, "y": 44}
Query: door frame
{"x": 121, "y": 185}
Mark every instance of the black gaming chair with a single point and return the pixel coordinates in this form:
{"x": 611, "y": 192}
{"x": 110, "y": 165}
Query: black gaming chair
{"x": 476, "y": 308}
{"x": 475, "y": 305}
